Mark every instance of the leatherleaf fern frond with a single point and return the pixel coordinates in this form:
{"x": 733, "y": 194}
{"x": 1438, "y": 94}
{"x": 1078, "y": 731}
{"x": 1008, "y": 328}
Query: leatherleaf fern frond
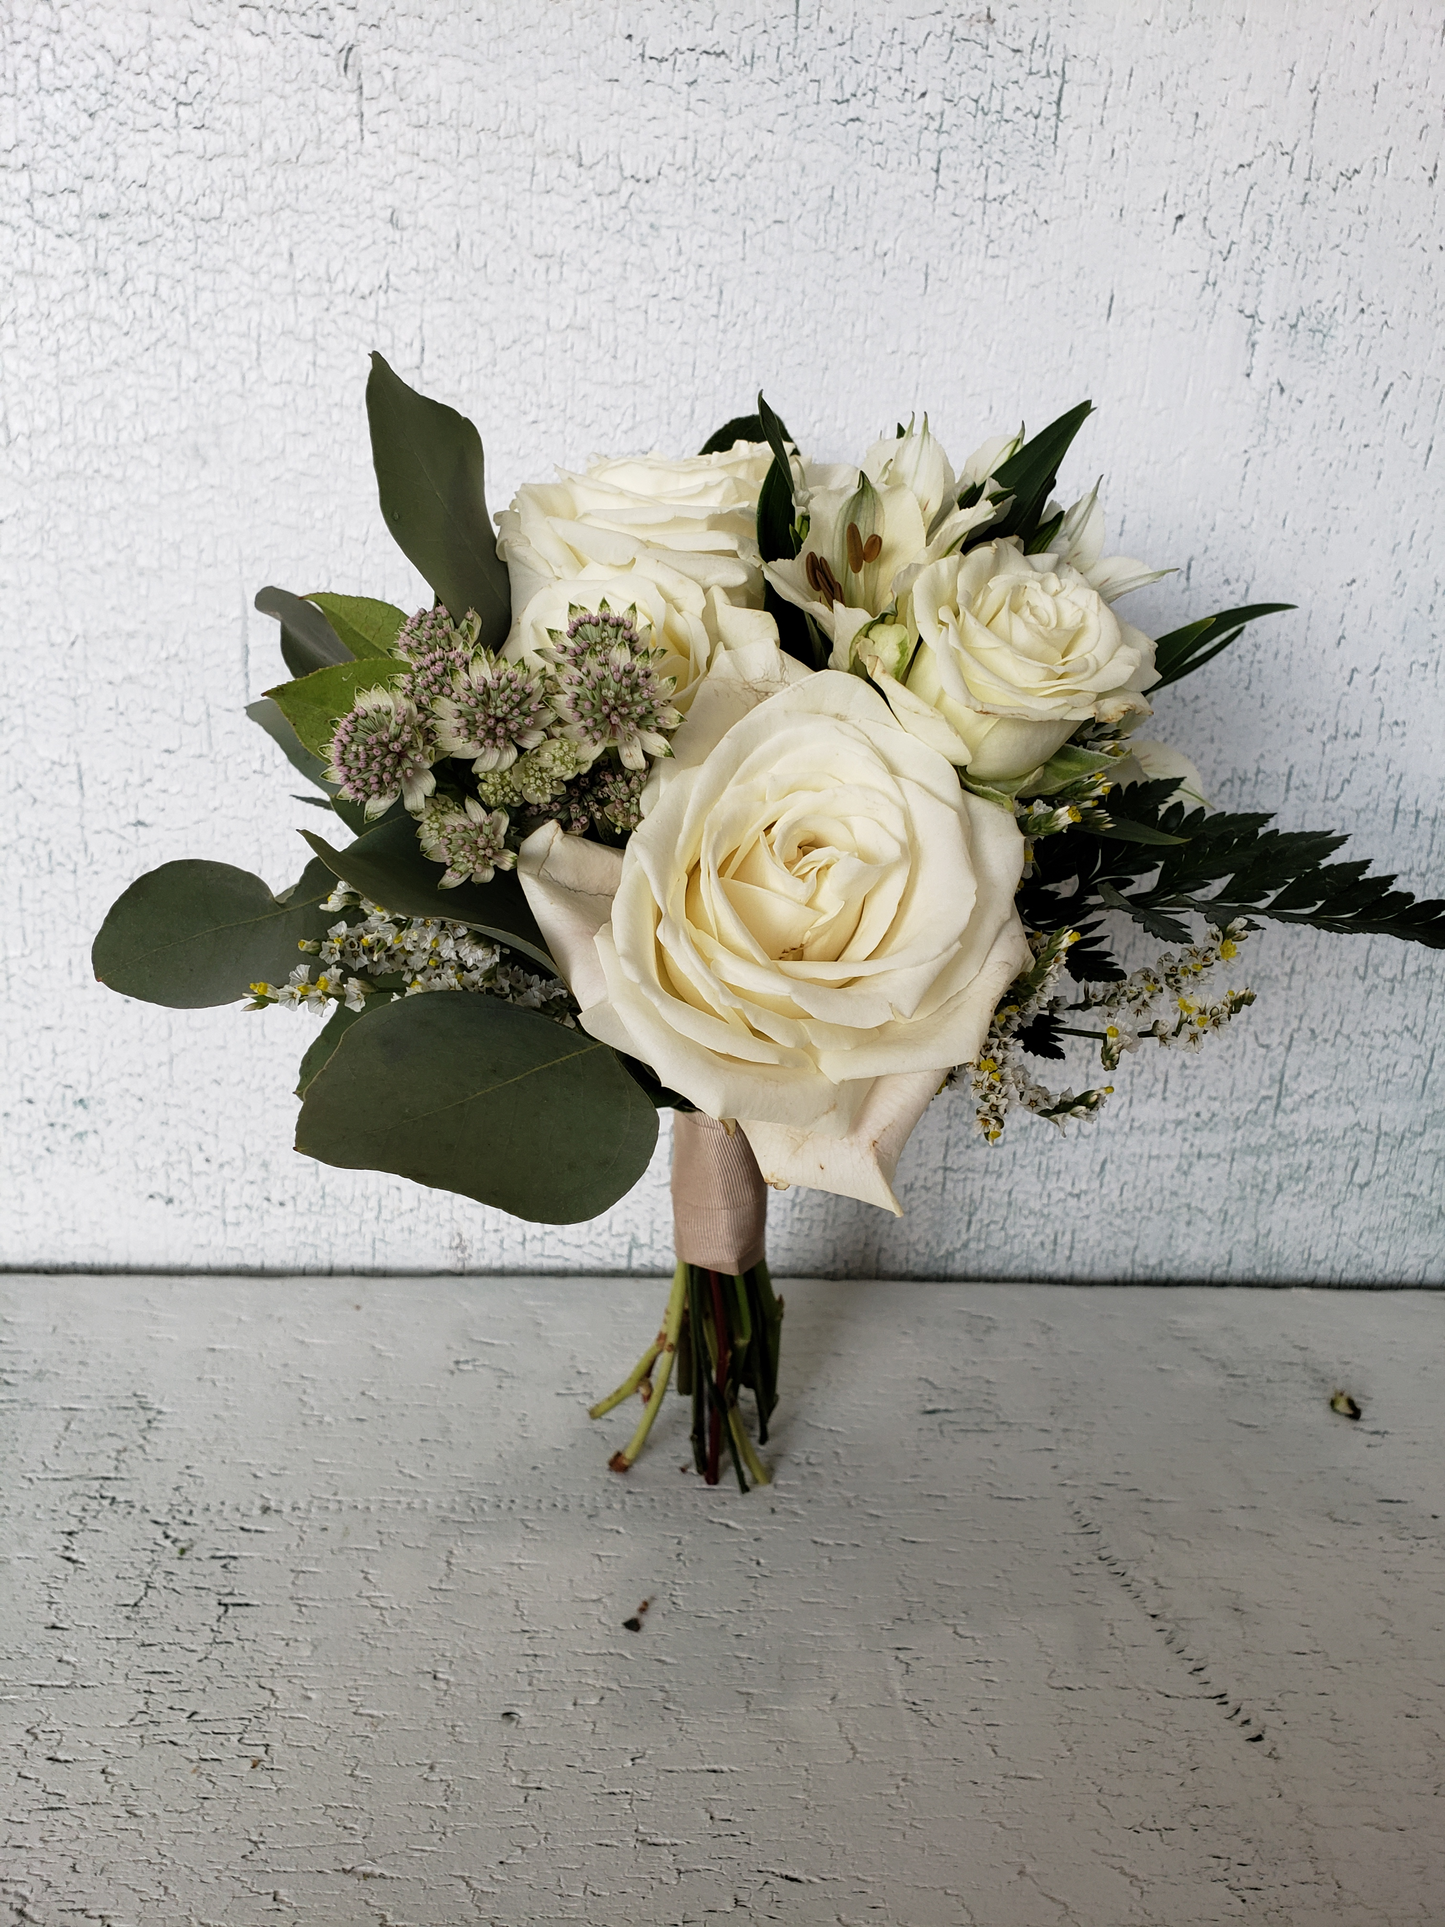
{"x": 1158, "y": 860}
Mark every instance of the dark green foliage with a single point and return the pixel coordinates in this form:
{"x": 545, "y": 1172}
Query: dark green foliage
{"x": 193, "y": 934}
{"x": 742, "y": 428}
{"x": 386, "y": 865}
{"x": 1030, "y": 474}
{"x": 1184, "y": 650}
{"x": 308, "y": 640}
{"x": 1221, "y": 866}
{"x": 430, "y": 475}
{"x": 472, "y": 1095}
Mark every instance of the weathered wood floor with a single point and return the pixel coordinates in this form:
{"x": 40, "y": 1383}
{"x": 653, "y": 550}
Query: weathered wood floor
{"x": 1066, "y": 1606}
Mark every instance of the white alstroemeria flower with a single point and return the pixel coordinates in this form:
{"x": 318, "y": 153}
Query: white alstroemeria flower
{"x": 870, "y": 532}
{"x": 1149, "y": 762}
{"x": 810, "y": 924}
{"x": 987, "y": 459}
{"x": 914, "y": 460}
{"x": 1014, "y": 652}
{"x": 1080, "y": 543}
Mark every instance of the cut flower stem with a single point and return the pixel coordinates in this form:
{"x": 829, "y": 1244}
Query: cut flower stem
{"x": 722, "y": 1330}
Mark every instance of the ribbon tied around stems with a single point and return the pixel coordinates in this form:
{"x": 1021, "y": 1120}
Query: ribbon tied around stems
{"x": 723, "y": 1322}
{"x": 719, "y": 1199}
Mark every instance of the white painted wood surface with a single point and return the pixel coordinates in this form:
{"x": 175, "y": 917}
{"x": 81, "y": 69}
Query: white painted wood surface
{"x": 1067, "y": 1608}
{"x": 599, "y": 226}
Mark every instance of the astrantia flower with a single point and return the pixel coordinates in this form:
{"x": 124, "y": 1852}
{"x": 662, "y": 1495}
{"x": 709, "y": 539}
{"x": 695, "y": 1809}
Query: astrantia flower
{"x": 492, "y": 710}
{"x": 383, "y": 749}
{"x": 470, "y": 842}
{"x": 606, "y": 798}
{"x": 611, "y": 696}
{"x": 594, "y": 632}
{"x": 437, "y": 648}
{"x": 537, "y": 778}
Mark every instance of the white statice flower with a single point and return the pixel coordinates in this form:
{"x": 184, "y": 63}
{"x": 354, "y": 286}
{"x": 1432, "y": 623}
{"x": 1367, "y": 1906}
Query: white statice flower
{"x": 389, "y": 957}
{"x": 1014, "y": 652}
{"x": 810, "y": 924}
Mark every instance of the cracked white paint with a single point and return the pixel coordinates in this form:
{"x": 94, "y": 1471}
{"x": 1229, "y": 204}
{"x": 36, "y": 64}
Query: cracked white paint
{"x": 1067, "y": 1608}
{"x": 1220, "y": 222}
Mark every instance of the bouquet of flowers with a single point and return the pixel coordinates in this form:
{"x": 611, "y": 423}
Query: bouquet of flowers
{"x": 783, "y": 794}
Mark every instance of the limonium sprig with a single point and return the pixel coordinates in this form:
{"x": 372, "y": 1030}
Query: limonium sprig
{"x": 410, "y": 955}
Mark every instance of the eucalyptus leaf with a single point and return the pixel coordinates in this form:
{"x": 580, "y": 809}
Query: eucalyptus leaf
{"x": 266, "y": 713}
{"x": 742, "y": 428}
{"x": 430, "y": 475}
{"x": 308, "y": 640}
{"x": 326, "y": 1040}
{"x": 314, "y": 704}
{"x": 367, "y": 627}
{"x": 469, "y": 1094}
{"x": 387, "y": 866}
{"x": 194, "y": 933}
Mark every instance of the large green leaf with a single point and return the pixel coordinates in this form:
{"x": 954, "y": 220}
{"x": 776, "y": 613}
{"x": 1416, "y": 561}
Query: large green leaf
{"x": 268, "y": 716}
{"x": 326, "y": 1039}
{"x": 431, "y": 477}
{"x": 742, "y": 428}
{"x": 387, "y": 866}
{"x": 1184, "y": 650}
{"x": 194, "y": 933}
{"x": 367, "y": 627}
{"x": 1030, "y": 473}
{"x": 314, "y": 704}
{"x": 466, "y": 1093}
{"x": 308, "y": 640}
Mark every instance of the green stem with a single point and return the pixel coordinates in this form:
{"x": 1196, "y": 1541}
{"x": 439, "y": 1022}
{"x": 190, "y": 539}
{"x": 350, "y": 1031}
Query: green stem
{"x": 667, "y": 1347}
{"x": 649, "y": 1358}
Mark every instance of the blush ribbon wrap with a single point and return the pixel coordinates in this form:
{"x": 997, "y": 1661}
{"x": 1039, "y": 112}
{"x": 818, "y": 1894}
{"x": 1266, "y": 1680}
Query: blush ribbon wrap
{"x": 719, "y": 1199}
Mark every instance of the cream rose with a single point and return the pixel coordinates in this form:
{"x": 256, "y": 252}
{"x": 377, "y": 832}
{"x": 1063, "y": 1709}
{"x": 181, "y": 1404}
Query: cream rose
{"x": 812, "y": 923}
{"x": 1014, "y": 652}
{"x": 697, "y": 515}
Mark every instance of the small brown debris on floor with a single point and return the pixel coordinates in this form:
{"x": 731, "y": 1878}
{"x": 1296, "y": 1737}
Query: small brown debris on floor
{"x": 1346, "y": 1406}
{"x": 634, "y": 1625}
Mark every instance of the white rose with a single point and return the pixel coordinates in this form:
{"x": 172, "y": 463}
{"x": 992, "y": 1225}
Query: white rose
{"x": 1015, "y": 651}
{"x": 812, "y": 923}
{"x": 698, "y": 515}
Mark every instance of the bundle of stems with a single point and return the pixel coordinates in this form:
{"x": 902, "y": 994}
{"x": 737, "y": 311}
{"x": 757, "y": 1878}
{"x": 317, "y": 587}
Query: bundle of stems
{"x": 723, "y": 1331}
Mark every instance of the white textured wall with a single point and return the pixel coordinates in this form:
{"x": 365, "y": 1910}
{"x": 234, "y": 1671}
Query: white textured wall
{"x": 601, "y": 227}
